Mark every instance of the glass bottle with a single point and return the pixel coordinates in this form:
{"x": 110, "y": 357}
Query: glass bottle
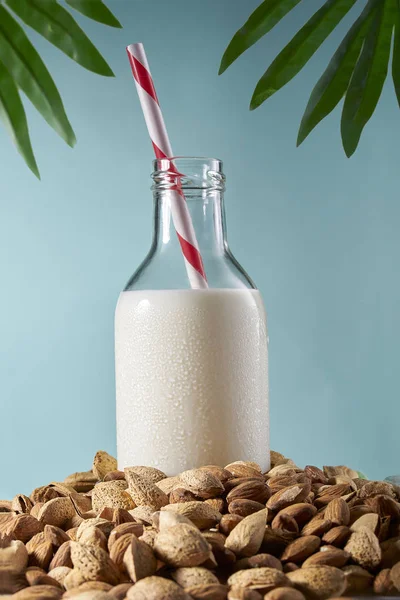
{"x": 191, "y": 364}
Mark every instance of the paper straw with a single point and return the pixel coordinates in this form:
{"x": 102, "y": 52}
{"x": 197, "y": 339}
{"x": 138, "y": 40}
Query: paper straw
{"x": 162, "y": 148}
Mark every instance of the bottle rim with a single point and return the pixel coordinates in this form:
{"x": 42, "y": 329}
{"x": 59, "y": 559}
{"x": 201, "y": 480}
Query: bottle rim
{"x": 188, "y": 173}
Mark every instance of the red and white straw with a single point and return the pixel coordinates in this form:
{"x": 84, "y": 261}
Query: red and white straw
{"x": 162, "y": 148}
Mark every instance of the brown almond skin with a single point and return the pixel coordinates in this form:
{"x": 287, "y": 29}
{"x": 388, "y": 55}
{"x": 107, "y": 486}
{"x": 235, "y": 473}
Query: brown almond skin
{"x": 285, "y": 522}
{"x": 337, "y": 536}
{"x": 315, "y": 474}
{"x": 235, "y": 481}
{"x": 301, "y": 549}
{"x": 301, "y": 512}
{"x": 333, "y": 558}
{"x": 258, "y": 560}
{"x": 287, "y": 496}
{"x": 338, "y": 512}
{"x": 228, "y": 523}
{"x": 317, "y": 526}
{"x": 258, "y": 491}
{"x": 218, "y": 504}
{"x": 208, "y": 591}
{"x": 243, "y": 507}
{"x": 275, "y": 541}
{"x": 241, "y": 593}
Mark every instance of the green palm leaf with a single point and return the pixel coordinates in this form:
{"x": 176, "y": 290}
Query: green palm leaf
{"x": 260, "y": 22}
{"x": 300, "y": 49}
{"x": 334, "y": 82}
{"x": 31, "y": 75}
{"x": 96, "y": 10}
{"x": 369, "y": 76}
{"x": 396, "y": 55}
{"x": 56, "y": 24}
{"x": 12, "y": 114}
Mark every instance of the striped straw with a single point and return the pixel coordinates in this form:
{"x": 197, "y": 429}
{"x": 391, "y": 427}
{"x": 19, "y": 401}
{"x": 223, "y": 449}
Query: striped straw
{"x": 162, "y": 148}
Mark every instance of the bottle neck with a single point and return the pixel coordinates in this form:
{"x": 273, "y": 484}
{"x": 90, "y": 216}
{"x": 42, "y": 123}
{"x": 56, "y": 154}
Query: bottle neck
{"x": 206, "y": 208}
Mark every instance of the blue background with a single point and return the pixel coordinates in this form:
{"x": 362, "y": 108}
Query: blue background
{"x": 317, "y": 232}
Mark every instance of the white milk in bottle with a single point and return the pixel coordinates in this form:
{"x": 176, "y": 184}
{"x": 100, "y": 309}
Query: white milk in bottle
{"x": 191, "y": 364}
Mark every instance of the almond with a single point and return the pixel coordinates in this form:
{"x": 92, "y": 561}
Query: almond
{"x": 263, "y": 579}
{"x": 62, "y": 557}
{"x": 301, "y": 512}
{"x": 364, "y": 549}
{"x": 256, "y": 490}
{"x": 94, "y": 563}
{"x": 156, "y": 588}
{"x": 258, "y": 560}
{"x": 168, "y": 484}
{"x": 103, "y": 463}
{"x": 289, "y": 495}
{"x": 319, "y": 582}
{"x": 315, "y": 474}
{"x": 21, "y": 504}
{"x": 337, "y": 536}
{"x": 338, "y": 512}
{"x": 246, "y": 538}
{"x": 317, "y": 526}
{"x": 163, "y": 519}
{"x": 244, "y": 508}
{"x": 57, "y": 511}
{"x": 181, "y": 546}
{"x": 301, "y": 548}
{"x": 222, "y": 474}
{"x": 118, "y": 550}
{"x": 285, "y": 522}
{"x": 143, "y": 492}
{"x": 111, "y": 494}
{"x": 242, "y": 468}
{"x": 334, "y": 557}
{"x": 139, "y": 560}
{"x": 22, "y": 527}
{"x": 200, "y": 513}
{"x": 150, "y": 474}
{"x": 55, "y": 535}
{"x": 201, "y": 483}
{"x": 93, "y": 536}
{"x": 228, "y": 523}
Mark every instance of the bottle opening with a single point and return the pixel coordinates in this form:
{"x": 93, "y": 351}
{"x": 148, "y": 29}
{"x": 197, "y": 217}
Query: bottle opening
{"x": 188, "y": 173}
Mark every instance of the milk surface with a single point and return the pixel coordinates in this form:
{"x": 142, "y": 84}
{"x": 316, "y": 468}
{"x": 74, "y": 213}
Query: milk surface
{"x": 191, "y": 378}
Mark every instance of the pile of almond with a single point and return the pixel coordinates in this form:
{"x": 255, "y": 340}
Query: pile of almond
{"x": 212, "y": 533}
